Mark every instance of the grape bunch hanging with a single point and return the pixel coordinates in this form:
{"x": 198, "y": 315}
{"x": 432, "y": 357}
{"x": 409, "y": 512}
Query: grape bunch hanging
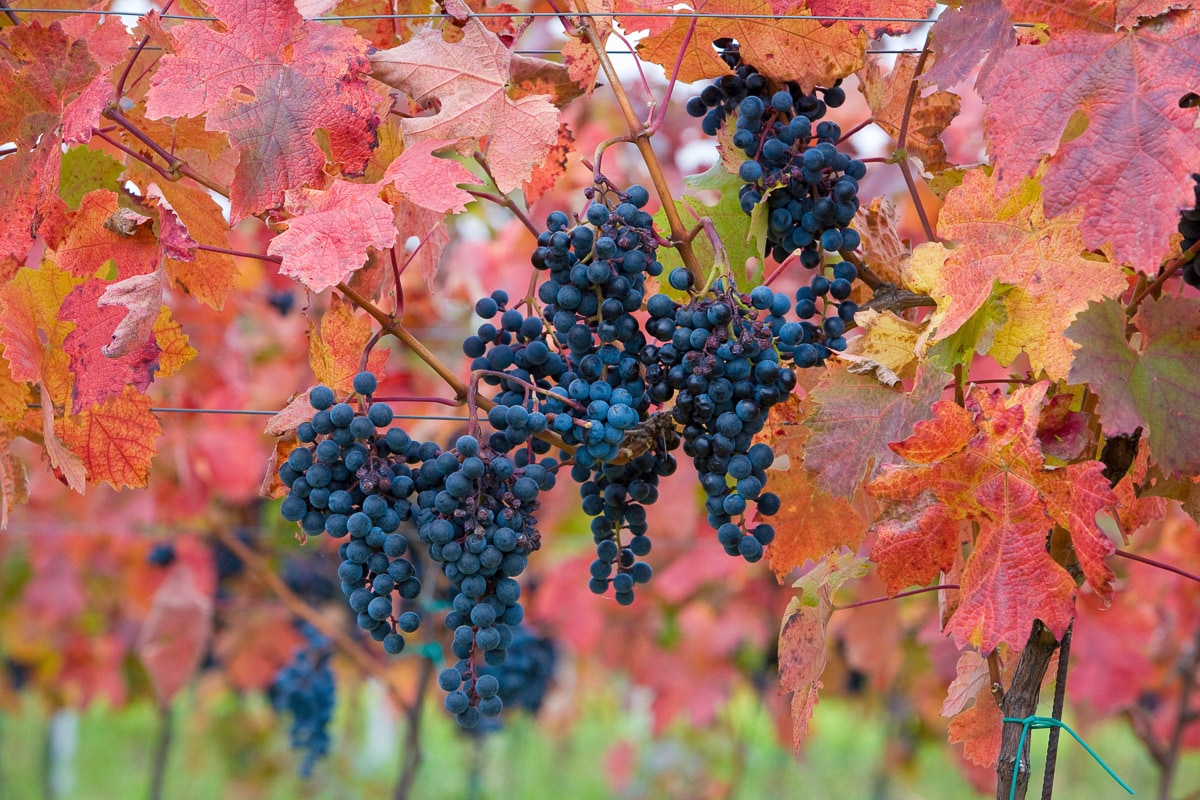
{"x": 809, "y": 187}
{"x": 583, "y": 368}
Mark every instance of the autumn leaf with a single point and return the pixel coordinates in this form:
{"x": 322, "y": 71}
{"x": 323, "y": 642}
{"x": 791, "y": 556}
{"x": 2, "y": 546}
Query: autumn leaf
{"x": 888, "y": 347}
{"x": 47, "y": 69}
{"x": 982, "y": 464}
{"x": 14, "y": 483}
{"x": 546, "y": 175}
{"x": 980, "y": 30}
{"x": 785, "y": 49}
{"x": 32, "y": 334}
{"x": 188, "y": 217}
{"x": 810, "y": 524}
{"x": 1153, "y": 385}
{"x": 1063, "y": 433}
{"x": 100, "y": 231}
{"x": 85, "y": 170}
{"x": 141, "y": 297}
{"x": 469, "y": 79}
{"x": 883, "y": 250}
{"x": 67, "y": 466}
{"x": 173, "y": 348}
{"x": 930, "y": 114}
{"x": 329, "y": 233}
{"x": 99, "y": 377}
{"x": 1007, "y": 239}
{"x": 1104, "y": 107}
{"x": 269, "y": 81}
{"x": 429, "y": 181}
{"x": 335, "y": 352}
{"x": 802, "y": 635}
{"x": 854, "y": 419}
{"x": 115, "y": 439}
{"x": 175, "y": 635}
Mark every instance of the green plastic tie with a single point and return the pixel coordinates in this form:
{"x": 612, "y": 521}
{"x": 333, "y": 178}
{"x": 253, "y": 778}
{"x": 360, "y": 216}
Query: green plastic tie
{"x": 433, "y": 651}
{"x": 1041, "y": 723}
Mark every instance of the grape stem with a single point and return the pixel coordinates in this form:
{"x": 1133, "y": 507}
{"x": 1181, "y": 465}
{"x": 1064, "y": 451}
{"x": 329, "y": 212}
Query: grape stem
{"x": 119, "y": 92}
{"x": 478, "y": 373}
{"x": 176, "y": 167}
{"x": 1167, "y": 567}
{"x": 461, "y": 390}
{"x": 1148, "y": 289}
{"x": 902, "y": 140}
{"x": 642, "y": 142}
{"x": 501, "y": 198}
{"x": 896, "y": 596}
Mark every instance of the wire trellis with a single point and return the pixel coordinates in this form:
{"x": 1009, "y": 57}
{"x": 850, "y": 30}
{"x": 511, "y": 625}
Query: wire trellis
{"x": 256, "y": 412}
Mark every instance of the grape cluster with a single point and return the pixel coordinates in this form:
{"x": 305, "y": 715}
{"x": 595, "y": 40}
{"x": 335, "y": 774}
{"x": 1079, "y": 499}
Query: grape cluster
{"x": 348, "y": 479}
{"x": 525, "y": 675}
{"x": 825, "y": 313}
{"x": 597, "y": 274}
{"x": 722, "y": 364}
{"x": 725, "y": 95}
{"x": 304, "y": 687}
{"x": 1189, "y": 228}
{"x": 477, "y": 518}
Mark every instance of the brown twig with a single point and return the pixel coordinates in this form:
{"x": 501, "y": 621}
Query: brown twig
{"x": 162, "y": 751}
{"x": 120, "y": 90}
{"x": 1150, "y": 288}
{"x": 412, "y": 738}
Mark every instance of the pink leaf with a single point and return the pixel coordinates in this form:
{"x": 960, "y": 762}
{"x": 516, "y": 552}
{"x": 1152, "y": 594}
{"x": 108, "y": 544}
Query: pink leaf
{"x": 429, "y": 181}
{"x": 329, "y": 236}
{"x": 173, "y": 234}
{"x": 176, "y": 632}
{"x": 142, "y": 296}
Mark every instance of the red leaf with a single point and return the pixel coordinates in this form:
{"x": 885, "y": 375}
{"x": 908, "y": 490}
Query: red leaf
{"x": 188, "y": 217}
{"x": 547, "y": 174}
{"x": 1104, "y": 106}
{"x": 46, "y": 68}
{"x": 269, "y": 82}
{"x": 175, "y": 634}
{"x": 328, "y": 237}
{"x": 1063, "y": 433}
{"x": 116, "y": 440}
{"x": 469, "y": 80}
{"x": 99, "y": 377}
{"x": 429, "y": 181}
{"x": 101, "y": 230}
{"x": 983, "y": 465}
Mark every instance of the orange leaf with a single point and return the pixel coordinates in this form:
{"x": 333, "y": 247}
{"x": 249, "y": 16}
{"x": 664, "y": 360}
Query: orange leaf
{"x": 1010, "y": 240}
{"x": 930, "y": 115}
{"x": 115, "y": 440}
{"x": 984, "y": 464}
{"x": 101, "y": 230}
{"x": 30, "y": 330}
{"x": 785, "y": 49}
{"x": 335, "y": 353}
{"x": 547, "y": 174}
{"x": 206, "y": 276}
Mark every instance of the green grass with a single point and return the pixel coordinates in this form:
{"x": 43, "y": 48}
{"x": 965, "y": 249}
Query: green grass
{"x": 226, "y": 746}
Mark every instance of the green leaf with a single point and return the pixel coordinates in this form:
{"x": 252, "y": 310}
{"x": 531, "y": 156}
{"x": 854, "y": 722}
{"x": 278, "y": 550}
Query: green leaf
{"x": 975, "y": 335}
{"x": 743, "y": 240}
{"x": 1155, "y": 385}
{"x": 85, "y": 170}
